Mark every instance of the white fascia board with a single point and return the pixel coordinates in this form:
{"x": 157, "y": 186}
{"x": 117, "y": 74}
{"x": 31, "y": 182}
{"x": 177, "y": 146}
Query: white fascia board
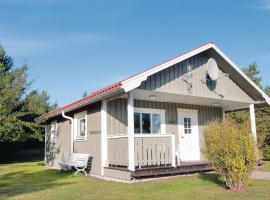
{"x": 136, "y": 80}
{"x": 267, "y": 99}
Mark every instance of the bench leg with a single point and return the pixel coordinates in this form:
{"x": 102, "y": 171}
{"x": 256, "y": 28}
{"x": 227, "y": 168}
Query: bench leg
{"x": 80, "y": 170}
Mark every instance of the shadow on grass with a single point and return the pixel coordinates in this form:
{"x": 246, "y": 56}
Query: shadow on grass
{"x": 211, "y": 177}
{"x": 20, "y": 159}
{"x": 27, "y": 181}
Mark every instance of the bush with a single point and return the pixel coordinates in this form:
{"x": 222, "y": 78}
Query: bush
{"x": 232, "y": 152}
{"x": 266, "y": 152}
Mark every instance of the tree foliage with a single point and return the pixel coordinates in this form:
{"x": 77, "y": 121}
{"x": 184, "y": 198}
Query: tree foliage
{"x": 253, "y": 73}
{"x": 262, "y": 115}
{"x": 232, "y": 152}
{"x": 18, "y": 109}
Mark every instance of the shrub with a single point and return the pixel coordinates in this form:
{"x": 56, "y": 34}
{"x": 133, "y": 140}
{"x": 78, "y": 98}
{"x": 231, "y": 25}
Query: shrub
{"x": 266, "y": 152}
{"x": 232, "y": 152}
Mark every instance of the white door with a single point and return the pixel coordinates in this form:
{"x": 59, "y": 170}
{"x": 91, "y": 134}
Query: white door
{"x": 189, "y": 146}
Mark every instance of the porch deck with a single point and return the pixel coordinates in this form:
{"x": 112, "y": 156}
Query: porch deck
{"x": 154, "y": 155}
{"x": 185, "y": 168}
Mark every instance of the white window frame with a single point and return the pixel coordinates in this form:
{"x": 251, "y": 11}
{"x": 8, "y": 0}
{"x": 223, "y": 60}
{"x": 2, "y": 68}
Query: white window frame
{"x": 53, "y": 137}
{"x": 77, "y": 118}
{"x": 152, "y": 111}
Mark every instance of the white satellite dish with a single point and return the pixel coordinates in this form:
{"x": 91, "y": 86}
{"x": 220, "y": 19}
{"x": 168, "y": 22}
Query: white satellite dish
{"x": 212, "y": 69}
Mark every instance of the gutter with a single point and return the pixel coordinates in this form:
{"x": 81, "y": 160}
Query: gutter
{"x": 72, "y": 129}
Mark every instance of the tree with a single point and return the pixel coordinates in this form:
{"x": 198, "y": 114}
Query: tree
{"x": 267, "y": 90}
{"x": 17, "y": 108}
{"x": 253, "y": 73}
{"x": 84, "y": 94}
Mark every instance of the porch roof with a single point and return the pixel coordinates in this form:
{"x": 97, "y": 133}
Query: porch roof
{"x": 227, "y": 105}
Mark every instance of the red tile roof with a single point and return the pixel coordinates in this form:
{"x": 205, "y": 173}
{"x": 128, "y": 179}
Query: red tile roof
{"x": 90, "y": 96}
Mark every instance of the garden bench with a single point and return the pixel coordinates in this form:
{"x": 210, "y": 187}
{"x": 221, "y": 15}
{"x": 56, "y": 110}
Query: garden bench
{"x": 77, "y": 160}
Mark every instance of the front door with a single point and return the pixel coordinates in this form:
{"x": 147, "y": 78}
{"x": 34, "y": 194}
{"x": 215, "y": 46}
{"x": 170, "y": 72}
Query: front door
{"x": 189, "y": 146}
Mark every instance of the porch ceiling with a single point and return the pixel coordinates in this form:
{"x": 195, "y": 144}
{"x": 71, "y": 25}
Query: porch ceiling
{"x": 189, "y": 99}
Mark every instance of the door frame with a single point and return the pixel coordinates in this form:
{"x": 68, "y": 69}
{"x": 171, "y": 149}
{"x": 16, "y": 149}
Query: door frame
{"x": 180, "y": 127}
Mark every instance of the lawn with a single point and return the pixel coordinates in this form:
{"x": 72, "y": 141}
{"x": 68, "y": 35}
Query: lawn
{"x": 31, "y": 180}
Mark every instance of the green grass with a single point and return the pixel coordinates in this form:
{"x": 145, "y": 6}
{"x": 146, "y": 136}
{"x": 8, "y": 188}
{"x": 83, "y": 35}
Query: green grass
{"x": 265, "y": 165}
{"x": 31, "y": 180}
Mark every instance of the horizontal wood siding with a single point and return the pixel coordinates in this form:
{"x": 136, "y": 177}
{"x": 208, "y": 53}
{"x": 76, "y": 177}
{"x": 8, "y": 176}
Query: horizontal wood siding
{"x": 172, "y": 80}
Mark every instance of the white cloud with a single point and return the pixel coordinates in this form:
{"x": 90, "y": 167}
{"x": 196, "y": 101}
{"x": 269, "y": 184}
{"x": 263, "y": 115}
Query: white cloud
{"x": 261, "y": 4}
{"x": 25, "y": 45}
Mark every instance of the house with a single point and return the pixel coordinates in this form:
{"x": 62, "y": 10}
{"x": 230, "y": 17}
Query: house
{"x": 152, "y": 123}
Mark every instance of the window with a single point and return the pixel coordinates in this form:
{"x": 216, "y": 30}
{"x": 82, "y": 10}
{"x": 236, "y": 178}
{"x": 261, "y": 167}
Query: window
{"x": 148, "y": 121}
{"x": 53, "y": 131}
{"x": 187, "y": 125}
{"x": 80, "y": 126}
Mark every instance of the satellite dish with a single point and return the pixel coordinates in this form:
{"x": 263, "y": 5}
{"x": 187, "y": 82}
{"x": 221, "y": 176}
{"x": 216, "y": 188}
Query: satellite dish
{"x": 212, "y": 69}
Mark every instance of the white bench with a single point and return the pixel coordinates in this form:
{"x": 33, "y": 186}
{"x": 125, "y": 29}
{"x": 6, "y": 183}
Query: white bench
{"x": 77, "y": 160}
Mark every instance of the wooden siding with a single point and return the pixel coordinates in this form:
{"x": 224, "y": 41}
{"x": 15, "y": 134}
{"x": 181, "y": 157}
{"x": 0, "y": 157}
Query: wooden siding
{"x": 117, "y": 119}
{"x": 172, "y": 80}
{"x": 61, "y": 150}
{"x": 117, "y": 116}
{"x": 93, "y": 142}
{"x": 205, "y": 115}
{"x": 118, "y": 151}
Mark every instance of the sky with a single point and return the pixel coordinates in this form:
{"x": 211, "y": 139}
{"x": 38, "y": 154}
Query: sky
{"x": 72, "y": 47}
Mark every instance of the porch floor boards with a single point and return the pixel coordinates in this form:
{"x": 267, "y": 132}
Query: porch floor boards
{"x": 184, "y": 168}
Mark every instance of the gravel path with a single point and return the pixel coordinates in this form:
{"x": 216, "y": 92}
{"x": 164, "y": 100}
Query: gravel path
{"x": 260, "y": 175}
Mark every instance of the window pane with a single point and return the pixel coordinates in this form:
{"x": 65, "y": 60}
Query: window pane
{"x": 137, "y": 122}
{"x": 156, "y": 123}
{"x": 82, "y": 127}
{"x": 146, "y": 123}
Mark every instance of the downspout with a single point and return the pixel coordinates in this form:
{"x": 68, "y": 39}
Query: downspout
{"x": 71, "y": 135}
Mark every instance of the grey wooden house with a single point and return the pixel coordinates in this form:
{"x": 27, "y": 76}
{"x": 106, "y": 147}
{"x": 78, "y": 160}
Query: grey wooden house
{"x": 152, "y": 123}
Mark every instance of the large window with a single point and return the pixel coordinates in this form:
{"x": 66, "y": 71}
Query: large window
{"x": 148, "y": 121}
{"x": 80, "y": 126}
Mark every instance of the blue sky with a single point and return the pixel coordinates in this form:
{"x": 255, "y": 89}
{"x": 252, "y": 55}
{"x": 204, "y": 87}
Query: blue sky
{"x": 77, "y": 46}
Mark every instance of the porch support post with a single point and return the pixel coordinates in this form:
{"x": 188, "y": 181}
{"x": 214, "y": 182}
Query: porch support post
{"x": 173, "y": 150}
{"x": 223, "y": 114}
{"x": 130, "y": 115}
{"x": 104, "y": 147}
{"x": 253, "y": 121}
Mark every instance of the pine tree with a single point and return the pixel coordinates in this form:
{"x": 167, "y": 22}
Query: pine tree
{"x": 17, "y": 108}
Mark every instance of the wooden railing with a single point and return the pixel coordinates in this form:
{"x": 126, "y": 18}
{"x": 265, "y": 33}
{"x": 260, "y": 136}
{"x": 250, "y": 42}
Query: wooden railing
{"x": 154, "y": 150}
{"x": 118, "y": 151}
{"x": 149, "y": 150}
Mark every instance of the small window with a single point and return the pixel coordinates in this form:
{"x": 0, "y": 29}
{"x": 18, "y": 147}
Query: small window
{"x": 80, "y": 126}
{"x": 187, "y": 125}
{"x": 147, "y": 123}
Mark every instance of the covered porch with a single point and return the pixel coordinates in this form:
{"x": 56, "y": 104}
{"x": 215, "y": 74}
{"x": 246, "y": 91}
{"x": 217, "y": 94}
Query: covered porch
{"x": 159, "y": 153}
